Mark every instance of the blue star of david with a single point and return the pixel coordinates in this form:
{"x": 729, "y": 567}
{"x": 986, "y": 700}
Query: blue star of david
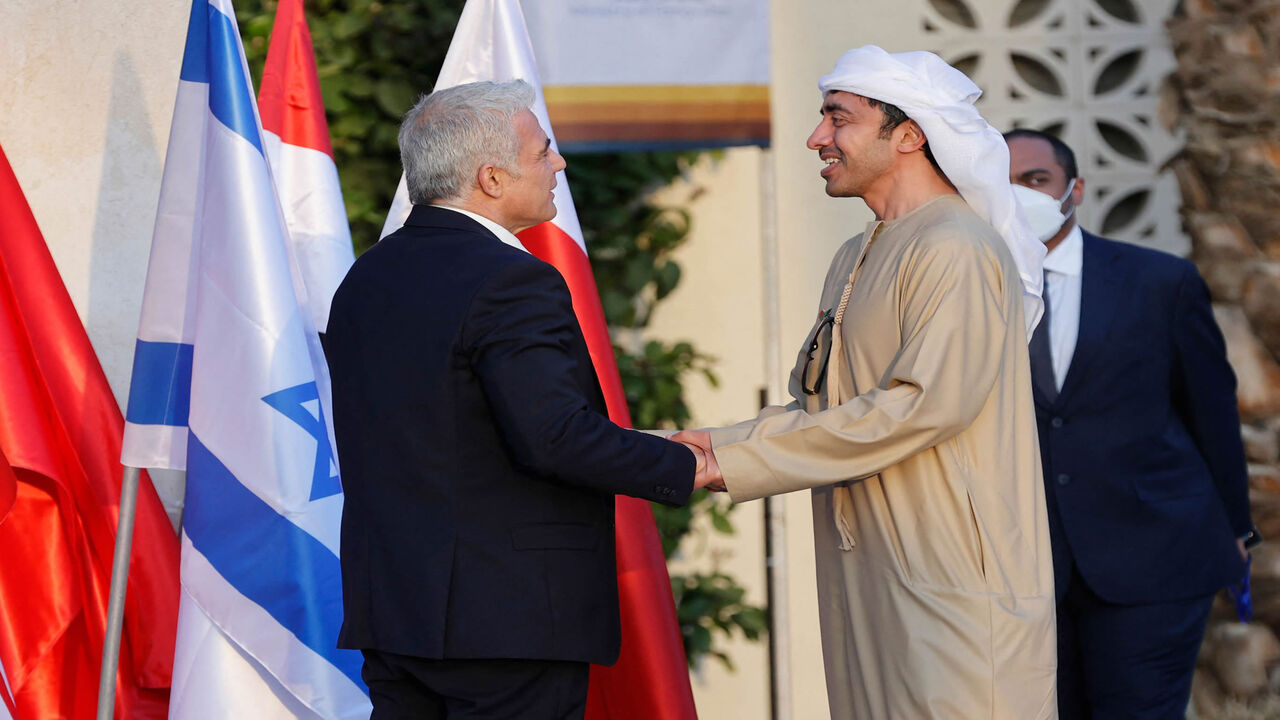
{"x": 289, "y": 402}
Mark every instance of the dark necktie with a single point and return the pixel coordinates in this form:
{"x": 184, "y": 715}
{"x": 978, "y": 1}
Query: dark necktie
{"x": 1041, "y": 355}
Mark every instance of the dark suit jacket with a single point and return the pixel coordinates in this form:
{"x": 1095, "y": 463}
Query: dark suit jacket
{"x": 1143, "y": 460}
{"x": 478, "y": 465}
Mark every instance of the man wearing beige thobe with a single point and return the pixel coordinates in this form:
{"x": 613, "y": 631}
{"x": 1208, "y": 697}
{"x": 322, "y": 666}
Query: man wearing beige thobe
{"x": 914, "y": 423}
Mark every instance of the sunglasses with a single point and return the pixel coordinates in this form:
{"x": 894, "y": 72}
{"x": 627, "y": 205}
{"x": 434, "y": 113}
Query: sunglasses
{"x": 819, "y": 354}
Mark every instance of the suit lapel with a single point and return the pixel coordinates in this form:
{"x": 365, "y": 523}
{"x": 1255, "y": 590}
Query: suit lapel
{"x": 1043, "y": 391}
{"x": 1100, "y": 300}
{"x": 1040, "y": 396}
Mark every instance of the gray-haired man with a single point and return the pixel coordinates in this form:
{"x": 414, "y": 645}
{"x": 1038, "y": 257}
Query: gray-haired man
{"x": 478, "y": 465}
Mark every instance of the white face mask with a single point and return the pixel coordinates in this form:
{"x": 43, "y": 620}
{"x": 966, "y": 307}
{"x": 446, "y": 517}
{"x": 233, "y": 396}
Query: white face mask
{"x": 1044, "y": 211}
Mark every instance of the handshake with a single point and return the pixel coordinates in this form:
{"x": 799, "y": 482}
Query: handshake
{"x": 707, "y": 473}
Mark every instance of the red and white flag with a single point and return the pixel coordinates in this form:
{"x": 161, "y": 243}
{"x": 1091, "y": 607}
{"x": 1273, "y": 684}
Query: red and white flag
{"x": 296, "y": 136}
{"x": 650, "y": 680}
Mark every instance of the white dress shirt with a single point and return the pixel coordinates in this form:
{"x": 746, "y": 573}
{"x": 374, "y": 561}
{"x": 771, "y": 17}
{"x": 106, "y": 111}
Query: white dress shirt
{"x": 1063, "y": 273}
{"x": 503, "y": 234}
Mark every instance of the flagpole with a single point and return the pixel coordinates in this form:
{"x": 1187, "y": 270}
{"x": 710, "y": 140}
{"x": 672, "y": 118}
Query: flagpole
{"x": 119, "y": 586}
{"x": 775, "y": 515}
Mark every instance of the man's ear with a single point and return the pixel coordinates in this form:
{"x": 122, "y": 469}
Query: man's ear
{"x": 1077, "y": 192}
{"x": 489, "y": 180}
{"x": 912, "y": 137}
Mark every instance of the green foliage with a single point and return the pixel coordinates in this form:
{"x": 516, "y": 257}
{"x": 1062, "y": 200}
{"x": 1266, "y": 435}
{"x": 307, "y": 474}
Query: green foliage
{"x": 652, "y": 381}
{"x": 713, "y": 603}
{"x": 374, "y": 59}
{"x": 630, "y": 238}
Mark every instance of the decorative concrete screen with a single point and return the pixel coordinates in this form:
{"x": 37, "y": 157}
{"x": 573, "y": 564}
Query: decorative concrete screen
{"x": 1089, "y": 71}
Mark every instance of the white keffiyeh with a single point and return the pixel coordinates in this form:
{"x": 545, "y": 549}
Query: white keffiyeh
{"x": 971, "y": 153}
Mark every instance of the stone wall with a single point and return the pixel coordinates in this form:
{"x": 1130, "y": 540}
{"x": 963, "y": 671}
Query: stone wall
{"x": 1225, "y": 96}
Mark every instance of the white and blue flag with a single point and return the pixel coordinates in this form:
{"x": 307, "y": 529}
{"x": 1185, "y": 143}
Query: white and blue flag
{"x": 229, "y": 383}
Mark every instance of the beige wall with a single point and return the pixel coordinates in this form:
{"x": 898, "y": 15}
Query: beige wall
{"x": 84, "y": 118}
{"x": 88, "y": 94}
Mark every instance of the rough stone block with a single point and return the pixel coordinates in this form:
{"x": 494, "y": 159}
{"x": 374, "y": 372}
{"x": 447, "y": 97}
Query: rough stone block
{"x": 1225, "y": 279}
{"x": 1264, "y": 481}
{"x": 1260, "y": 300}
{"x": 1265, "y": 577}
{"x": 1261, "y": 445}
{"x": 1241, "y": 657}
{"x": 1199, "y": 9}
{"x": 1195, "y": 196}
{"x": 1220, "y": 237}
{"x": 1260, "y": 155}
{"x": 1257, "y": 374}
{"x": 1243, "y": 41}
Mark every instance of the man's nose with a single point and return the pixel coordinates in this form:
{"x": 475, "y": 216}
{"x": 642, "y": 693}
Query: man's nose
{"x": 558, "y": 161}
{"x": 820, "y": 137}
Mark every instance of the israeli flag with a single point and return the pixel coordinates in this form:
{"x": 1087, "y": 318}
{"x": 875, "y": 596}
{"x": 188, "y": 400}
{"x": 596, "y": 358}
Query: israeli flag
{"x": 230, "y": 384}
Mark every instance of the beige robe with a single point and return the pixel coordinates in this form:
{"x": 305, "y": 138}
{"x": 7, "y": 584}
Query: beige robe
{"x": 944, "y": 606}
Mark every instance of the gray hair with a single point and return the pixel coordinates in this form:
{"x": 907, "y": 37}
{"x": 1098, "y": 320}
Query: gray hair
{"x": 451, "y": 133}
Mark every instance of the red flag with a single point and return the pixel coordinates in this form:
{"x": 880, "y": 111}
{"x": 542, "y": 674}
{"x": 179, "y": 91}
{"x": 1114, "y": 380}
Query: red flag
{"x": 60, "y": 428}
{"x": 289, "y": 99}
{"x": 296, "y": 137}
{"x": 650, "y": 680}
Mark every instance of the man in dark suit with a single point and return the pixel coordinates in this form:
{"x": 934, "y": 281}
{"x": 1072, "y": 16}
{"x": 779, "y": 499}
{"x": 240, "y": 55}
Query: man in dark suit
{"x": 1140, "y": 442}
{"x": 479, "y": 468}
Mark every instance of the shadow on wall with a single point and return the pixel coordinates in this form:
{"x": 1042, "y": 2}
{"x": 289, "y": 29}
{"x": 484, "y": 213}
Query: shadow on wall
{"x": 128, "y": 191}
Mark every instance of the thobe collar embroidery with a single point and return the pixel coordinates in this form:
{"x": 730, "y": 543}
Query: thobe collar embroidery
{"x": 842, "y": 499}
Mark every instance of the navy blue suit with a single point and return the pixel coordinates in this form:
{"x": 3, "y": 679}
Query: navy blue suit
{"x": 1145, "y": 476}
{"x": 478, "y": 465}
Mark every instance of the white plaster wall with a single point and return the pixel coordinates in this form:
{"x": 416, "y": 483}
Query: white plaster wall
{"x": 84, "y": 119}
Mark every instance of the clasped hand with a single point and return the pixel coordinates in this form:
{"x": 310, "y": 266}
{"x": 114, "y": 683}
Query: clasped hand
{"x": 707, "y": 474}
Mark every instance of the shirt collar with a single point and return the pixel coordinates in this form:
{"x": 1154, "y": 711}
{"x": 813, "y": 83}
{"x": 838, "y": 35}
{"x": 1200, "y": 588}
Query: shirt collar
{"x": 1068, "y": 257}
{"x": 502, "y": 233}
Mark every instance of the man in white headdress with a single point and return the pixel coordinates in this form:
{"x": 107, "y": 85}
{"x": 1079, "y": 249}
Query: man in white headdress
{"x": 914, "y": 423}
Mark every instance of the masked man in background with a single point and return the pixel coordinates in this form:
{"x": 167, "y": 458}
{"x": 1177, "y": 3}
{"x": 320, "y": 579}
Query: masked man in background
{"x": 1143, "y": 461}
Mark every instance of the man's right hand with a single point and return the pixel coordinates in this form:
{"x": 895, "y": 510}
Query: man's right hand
{"x": 708, "y": 470}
